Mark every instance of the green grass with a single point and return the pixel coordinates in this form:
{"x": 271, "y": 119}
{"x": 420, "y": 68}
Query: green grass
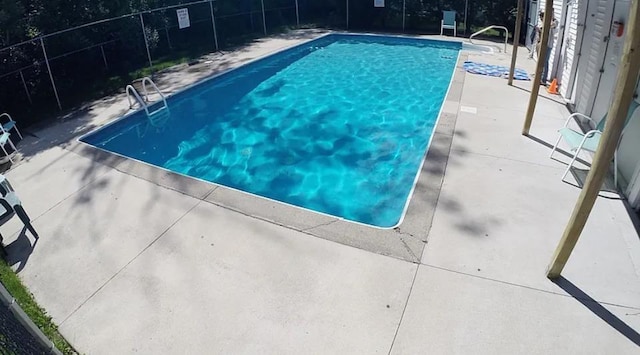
{"x": 38, "y": 315}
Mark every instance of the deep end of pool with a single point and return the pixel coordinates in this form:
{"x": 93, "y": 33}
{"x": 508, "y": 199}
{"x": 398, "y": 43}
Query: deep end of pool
{"x": 339, "y": 125}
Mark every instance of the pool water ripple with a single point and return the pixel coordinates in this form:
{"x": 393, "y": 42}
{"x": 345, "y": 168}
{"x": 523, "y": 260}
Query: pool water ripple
{"x": 339, "y": 125}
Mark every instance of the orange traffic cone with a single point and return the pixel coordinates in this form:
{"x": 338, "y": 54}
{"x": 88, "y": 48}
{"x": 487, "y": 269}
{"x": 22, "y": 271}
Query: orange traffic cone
{"x": 553, "y": 88}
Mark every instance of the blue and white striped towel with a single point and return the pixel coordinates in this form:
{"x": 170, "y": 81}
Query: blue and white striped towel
{"x": 494, "y": 70}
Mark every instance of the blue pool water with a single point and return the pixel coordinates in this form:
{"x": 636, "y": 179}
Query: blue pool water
{"x": 339, "y": 125}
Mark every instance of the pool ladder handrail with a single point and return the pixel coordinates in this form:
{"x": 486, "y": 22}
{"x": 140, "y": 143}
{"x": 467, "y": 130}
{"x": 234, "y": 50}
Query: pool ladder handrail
{"x": 148, "y": 80}
{"x": 506, "y": 37}
{"x": 131, "y": 91}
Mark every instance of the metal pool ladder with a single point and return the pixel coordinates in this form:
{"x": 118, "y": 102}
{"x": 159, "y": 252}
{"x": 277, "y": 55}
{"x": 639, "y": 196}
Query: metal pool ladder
{"x": 132, "y": 93}
{"x": 506, "y": 36}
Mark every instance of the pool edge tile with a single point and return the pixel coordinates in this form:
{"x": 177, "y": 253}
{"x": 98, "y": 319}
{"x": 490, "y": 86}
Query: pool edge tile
{"x": 161, "y": 177}
{"x": 418, "y": 218}
{"x": 390, "y": 242}
{"x": 269, "y": 210}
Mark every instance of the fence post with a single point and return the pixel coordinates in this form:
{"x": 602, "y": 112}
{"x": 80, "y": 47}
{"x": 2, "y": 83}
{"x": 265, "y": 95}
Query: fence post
{"x": 404, "y": 12}
{"x": 104, "y": 57}
{"x": 297, "y": 14}
{"x": 264, "y": 21}
{"x": 146, "y": 44}
{"x": 347, "y": 14}
{"x": 26, "y": 89}
{"x": 213, "y": 23}
{"x": 466, "y": 7}
{"x": 166, "y": 32}
{"x": 53, "y": 83}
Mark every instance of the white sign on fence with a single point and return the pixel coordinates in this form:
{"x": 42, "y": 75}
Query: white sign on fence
{"x": 183, "y": 18}
{"x": 378, "y": 3}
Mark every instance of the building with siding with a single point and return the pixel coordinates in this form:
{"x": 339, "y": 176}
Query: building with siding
{"x": 585, "y": 61}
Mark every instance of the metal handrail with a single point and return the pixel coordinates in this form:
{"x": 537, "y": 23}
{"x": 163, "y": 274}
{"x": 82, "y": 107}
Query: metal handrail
{"x": 146, "y": 80}
{"x": 131, "y": 91}
{"x": 506, "y": 37}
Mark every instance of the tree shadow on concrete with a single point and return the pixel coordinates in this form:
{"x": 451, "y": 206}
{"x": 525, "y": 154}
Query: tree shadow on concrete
{"x": 597, "y": 309}
{"x": 172, "y": 80}
{"x": 470, "y": 223}
{"x": 440, "y": 158}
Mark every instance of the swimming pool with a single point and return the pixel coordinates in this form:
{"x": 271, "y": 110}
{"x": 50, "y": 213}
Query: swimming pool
{"x": 339, "y": 125}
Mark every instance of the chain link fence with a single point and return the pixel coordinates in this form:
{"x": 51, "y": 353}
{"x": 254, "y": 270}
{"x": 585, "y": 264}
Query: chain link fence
{"x": 14, "y": 338}
{"x": 18, "y": 334}
{"x": 61, "y": 70}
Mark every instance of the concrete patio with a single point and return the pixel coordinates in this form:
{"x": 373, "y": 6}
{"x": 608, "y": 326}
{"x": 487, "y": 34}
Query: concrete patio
{"x": 132, "y": 259}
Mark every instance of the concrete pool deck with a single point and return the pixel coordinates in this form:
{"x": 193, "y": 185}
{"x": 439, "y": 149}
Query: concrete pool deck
{"x": 136, "y": 259}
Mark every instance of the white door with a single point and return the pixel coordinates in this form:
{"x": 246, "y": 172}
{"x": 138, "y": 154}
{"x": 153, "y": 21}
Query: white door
{"x": 597, "y": 25}
{"x": 611, "y": 63}
{"x": 572, "y": 47}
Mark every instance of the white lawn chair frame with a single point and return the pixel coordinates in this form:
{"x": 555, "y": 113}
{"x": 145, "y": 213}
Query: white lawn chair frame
{"x": 449, "y": 22}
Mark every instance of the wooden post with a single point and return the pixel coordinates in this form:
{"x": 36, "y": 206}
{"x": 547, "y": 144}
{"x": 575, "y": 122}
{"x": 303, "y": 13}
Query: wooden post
{"x": 516, "y": 41}
{"x": 535, "y": 89}
{"x": 622, "y": 97}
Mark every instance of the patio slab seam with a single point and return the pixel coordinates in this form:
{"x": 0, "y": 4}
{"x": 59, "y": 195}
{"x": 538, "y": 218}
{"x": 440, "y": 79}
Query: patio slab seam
{"x": 513, "y": 284}
{"x": 64, "y": 199}
{"x": 163, "y": 233}
{"x": 467, "y": 151}
{"x": 404, "y": 309}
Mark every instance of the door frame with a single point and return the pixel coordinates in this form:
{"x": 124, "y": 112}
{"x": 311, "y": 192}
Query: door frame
{"x": 561, "y": 41}
{"x": 580, "y": 26}
{"x": 532, "y": 21}
{"x": 594, "y": 95}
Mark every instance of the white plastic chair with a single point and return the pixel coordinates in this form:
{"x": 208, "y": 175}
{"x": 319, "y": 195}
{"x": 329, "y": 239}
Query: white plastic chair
{"x": 11, "y": 124}
{"x": 4, "y": 139}
{"x": 11, "y": 205}
{"x": 449, "y": 22}
{"x": 589, "y": 141}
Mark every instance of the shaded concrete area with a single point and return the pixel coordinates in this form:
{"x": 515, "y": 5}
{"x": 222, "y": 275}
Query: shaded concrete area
{"x": 132, "y": 258}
